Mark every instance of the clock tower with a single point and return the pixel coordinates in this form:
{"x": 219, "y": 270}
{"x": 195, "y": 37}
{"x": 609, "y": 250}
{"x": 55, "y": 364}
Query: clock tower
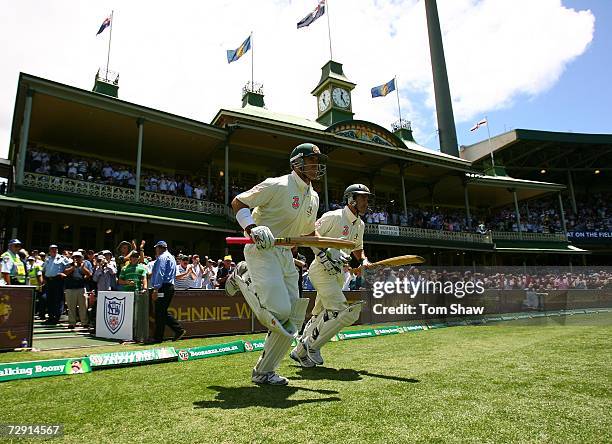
{"x": 333, "y": 95}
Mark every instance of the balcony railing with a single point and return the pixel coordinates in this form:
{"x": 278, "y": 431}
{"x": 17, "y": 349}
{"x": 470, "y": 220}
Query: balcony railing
{"x": 537, "y": 237}
{"x": 424, "y": 233}
{"x": 84, "y": 188}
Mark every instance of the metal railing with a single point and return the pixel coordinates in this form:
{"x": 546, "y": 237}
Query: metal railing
{"x": 541, "y": 237}
{"x": 458, "y": 236}
{"x": 424, "y": 233}
{"x": 181, "y": 203}
{"x": 104, "y": 191}
{"x": 401, "y": 124}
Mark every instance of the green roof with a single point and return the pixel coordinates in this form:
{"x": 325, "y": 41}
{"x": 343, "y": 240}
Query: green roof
{"x": 257, "y": 111}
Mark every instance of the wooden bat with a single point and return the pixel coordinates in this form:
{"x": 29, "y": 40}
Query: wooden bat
{"x": 393, "y": 262}
{"x": 300, "y": 241}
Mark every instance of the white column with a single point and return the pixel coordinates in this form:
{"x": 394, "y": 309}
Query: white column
{"x": 403, "y": 191}
{"x": 570, "y": 184}
{"x": 25, "y": 134}
{"x": 562, "y": 214}
{"x": 140, "y": 124}
{"x": 226, "y": 175}
{"x": 517, "y": 213}
{"x": 467, "y": 205}
{"x": 326, "y": 192}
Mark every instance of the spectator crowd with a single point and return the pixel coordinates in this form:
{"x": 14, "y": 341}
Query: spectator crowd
{"x": 593, "y": 210}
{"x": 67, "y": 282}
{"x": 59, "y": 164}
{"x": 508, "y": 278}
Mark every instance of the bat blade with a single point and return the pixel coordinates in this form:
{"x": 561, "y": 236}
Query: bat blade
{"x": 408, "y": 259}
{"x": 301, "y": 241}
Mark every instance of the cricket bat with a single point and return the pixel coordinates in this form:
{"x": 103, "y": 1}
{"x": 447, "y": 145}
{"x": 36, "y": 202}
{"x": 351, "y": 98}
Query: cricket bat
{"x": 395, "y": 261}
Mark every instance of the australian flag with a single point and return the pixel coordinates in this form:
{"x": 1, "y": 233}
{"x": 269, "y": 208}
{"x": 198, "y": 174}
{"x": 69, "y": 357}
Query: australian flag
{"x": 383, "y": 90}
{"x": 318, "y": 12}
{"x": 235, "y": 54}
{"x": 105, "y": 24}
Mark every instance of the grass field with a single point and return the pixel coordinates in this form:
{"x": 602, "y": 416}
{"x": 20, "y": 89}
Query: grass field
{"x": 544, "y": 380}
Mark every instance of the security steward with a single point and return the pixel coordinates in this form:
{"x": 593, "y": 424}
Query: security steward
{"x": 162, "y": 281}
{"x": 13, "y": 268}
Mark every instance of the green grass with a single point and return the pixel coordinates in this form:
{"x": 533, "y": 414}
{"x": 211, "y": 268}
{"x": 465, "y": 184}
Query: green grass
{"x": 544, "y": 380}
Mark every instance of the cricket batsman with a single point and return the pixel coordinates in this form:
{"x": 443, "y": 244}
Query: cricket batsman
{"x": 331, "y": 312}
{"x": 281, "y": 207}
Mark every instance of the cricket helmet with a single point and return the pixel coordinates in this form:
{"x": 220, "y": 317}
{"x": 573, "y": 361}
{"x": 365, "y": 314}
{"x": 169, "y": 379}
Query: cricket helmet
{"x": 352, "y": 191}
{"x": 300, "y": 152}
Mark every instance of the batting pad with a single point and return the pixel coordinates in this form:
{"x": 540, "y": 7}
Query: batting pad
{"x": 328, "y": 323}
{"x": 265, "y": 317}
{"x": 277, "y": 345}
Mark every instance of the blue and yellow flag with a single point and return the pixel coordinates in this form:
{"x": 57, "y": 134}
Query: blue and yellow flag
{"x": 383, "y": 90}
{"x": 235, "y": 54}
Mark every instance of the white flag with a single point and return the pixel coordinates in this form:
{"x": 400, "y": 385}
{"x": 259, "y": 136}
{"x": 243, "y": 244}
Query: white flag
{"x": 479, "y": 124}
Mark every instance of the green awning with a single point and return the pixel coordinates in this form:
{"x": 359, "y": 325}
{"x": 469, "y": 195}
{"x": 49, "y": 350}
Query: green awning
{"x": 121, "y": 210}
{"x": 569, "y": 249}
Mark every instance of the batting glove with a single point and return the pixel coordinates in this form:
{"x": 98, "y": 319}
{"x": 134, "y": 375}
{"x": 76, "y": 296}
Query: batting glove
{"x": 262, "y": 237}
{"x": 331, "y": 268}
{"x": 338, "y": 256}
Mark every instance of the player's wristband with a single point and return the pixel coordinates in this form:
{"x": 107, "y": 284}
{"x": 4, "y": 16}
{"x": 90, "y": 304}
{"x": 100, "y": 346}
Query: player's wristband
{"x": 244, "y": 218}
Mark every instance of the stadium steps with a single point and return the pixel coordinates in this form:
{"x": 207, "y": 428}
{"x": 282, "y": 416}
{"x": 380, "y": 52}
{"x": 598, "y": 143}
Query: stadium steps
{"x": 58, "y": 337}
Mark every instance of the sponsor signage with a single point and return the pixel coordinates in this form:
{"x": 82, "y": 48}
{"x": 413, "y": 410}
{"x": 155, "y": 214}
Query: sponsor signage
{"x": 254, "y": 345}
{"x": 388, "y": 230}
{"x": 39, "y": 369}
{"x": 387, "y": 331}
{"x": 133, "y": 357}
{"x": 408, "y": 328}
{"x": 16, "y": 316}
{"x": 356, "y": 334}
{"x": 189, "y": 354}
{"x": 589, "y": 236}
{"x": 115, "y": 315}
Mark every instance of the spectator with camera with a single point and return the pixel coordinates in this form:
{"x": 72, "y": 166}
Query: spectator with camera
{"x": 75, "y": 287}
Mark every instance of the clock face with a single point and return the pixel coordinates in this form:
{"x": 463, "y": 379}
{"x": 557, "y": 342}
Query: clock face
{"x": 324, "y": 100}
{"x": 341, "y": 97}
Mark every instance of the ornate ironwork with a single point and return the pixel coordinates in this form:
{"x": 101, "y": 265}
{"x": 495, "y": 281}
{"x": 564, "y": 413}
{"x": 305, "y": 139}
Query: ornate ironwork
{"x": 74, "y": 186}
{"x": 401, "y": 124}
{"x": 425, "y": 233}
{"x": 253, "y": 87}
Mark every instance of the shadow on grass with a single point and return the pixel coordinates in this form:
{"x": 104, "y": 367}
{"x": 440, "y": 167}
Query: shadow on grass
{"x": 276, "y": 397}
{"x": 343, "y": 374}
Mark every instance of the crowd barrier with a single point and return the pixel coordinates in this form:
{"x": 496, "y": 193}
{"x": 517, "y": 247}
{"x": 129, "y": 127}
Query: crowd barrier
{"x": 16, "y": 316}
{"x": 100, "y": 361}
{"x": 212, "y": 312}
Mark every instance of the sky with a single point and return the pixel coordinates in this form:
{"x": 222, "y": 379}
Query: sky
{"x": 537, "y": 64}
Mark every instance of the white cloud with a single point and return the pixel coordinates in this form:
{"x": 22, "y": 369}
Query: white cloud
{"x": 173, "y": 57}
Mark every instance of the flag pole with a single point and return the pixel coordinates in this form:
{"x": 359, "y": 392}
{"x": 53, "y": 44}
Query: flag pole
{"x": 398, "y": 101}
{"x": 328, "y": 30}
{"x": 490, "y": 147}
{"x": 110, "y": 37}
{"x": 252, "y": 63}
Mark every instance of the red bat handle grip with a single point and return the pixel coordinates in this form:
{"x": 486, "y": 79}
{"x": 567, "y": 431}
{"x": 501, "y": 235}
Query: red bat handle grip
{"x": 238, "y": 240}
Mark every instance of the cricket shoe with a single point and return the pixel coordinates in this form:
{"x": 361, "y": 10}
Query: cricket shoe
{"x": 313, "y": 355}
{"x": 299, "y": 355}
{"x": 270, "y": 378}
{"x": 231, "y": 286}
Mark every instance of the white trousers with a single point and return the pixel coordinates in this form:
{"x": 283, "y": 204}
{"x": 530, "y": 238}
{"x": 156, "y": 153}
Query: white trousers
{"x": 275, "y": 278}
{"x": 329, "y": 289}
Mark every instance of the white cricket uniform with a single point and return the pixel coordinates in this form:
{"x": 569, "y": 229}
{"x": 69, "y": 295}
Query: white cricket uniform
{"x": 288, "y": 206}
{"x": 341, "y": 224}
